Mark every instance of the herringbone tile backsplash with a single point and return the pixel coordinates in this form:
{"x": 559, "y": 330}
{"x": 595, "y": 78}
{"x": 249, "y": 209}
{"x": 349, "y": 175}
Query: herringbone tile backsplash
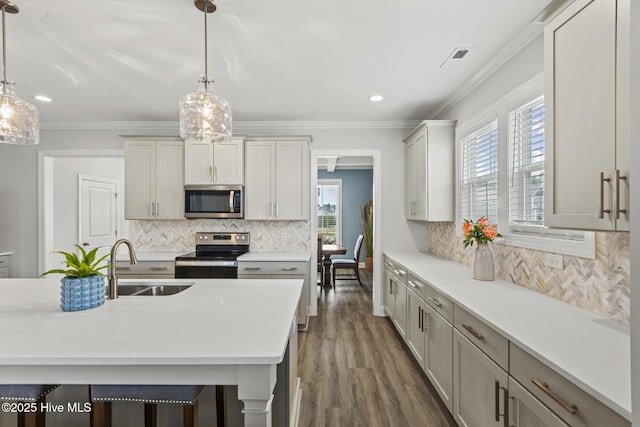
{"x": 601, "y": 285}
{"x": 266, "y": 236}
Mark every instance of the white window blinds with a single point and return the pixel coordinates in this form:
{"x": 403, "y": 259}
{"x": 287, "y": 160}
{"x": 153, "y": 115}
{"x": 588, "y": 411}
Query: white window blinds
{"x": 526, "y": 164}
{"x": 479, "y": 174}
{"x": 329, "y": 210}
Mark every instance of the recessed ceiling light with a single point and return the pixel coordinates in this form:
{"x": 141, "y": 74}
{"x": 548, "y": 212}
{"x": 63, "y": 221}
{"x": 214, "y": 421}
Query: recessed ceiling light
{"x": 43, "y": 98}
{"x": 376, "y": 98}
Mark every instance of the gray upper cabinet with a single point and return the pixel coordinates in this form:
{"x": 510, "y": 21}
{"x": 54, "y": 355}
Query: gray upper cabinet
{"x": 154, "y": 178}
{"x": 587, "y": 116}
{"x": 217, "y": 164}
{"x": 429, "y": 171}
{"x": 277, "y": 178}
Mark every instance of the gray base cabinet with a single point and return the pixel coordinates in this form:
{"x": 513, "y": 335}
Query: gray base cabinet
{"x": 479, "y": 384}
{"x": 438, "y": 354}
{"x": 395, "y": 296}
{"x": 527, "y": 411}
{"x": 281, "y": 270}
{"x": 146, "y": 270}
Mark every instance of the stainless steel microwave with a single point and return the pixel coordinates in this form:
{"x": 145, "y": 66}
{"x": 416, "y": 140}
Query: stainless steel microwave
{"x": 213, "y": 201}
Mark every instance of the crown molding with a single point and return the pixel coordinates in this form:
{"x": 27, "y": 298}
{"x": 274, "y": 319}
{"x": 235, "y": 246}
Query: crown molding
{"x": 241, "y": 126}
{"x": 518, "y": 42}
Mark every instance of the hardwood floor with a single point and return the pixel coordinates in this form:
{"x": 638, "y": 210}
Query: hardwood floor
{"x": 355, "y": 370}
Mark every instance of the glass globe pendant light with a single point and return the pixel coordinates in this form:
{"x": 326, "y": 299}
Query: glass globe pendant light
{"x": 203, "y": 114}
{"x": 19, "y": 122}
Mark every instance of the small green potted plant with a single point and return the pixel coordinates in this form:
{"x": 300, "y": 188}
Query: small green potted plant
{"x": 366, "y": 220}
{"x": 82, "y": 286}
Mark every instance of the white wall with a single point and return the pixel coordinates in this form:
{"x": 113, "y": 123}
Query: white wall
{"x": 635, "y": 212}
{"x": 19, "y": 177}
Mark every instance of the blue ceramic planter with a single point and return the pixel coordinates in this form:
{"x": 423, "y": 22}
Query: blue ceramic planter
{"x": 81, "y": 293}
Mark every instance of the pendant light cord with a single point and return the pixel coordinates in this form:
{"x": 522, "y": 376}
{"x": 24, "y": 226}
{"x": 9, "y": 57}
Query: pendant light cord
{"x": 206, "y": 71}
{"x": 4, "y": 48}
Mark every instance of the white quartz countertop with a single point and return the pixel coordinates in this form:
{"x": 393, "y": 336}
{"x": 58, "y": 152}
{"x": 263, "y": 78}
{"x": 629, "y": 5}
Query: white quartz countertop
{"x": 591, "y": 351}
{"x": 275, "y": 256}
{"x": 214, "y": 322}
{"x": 123, "y": 255}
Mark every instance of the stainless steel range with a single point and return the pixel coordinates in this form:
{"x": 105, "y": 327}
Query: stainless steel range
{"x": 215, "y": 256}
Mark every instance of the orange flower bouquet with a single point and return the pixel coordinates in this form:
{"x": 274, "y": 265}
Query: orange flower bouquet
{"x": 480, "y": 231}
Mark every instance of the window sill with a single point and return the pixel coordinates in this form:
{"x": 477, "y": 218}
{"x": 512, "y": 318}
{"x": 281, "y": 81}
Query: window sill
{"x": 584, "y": 249}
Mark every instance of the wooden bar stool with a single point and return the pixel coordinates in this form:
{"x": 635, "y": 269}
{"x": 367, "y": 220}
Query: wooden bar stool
{"x": 150, "y": 395}
{"x": 27, "y": 394}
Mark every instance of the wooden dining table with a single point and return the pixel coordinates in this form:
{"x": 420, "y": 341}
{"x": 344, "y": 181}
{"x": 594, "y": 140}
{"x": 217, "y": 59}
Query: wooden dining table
{"x": 327, "y": 251}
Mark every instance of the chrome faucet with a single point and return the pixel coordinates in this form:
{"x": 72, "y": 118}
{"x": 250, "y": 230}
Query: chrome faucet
{"x": 112, "y": 280}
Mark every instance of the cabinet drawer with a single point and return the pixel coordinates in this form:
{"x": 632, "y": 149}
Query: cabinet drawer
{"x": 416, "y": 284}
{"x": 396, "y": 270}
{"x": 489, "y": 341}
{"x": 574, "y": 405}
{"x": 439, "y": 302}
{"x": 145, "y": 268}
{"x": 271, "y": 267}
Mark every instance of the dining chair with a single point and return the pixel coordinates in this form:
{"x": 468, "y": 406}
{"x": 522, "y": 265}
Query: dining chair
{"x": 320, "y": 263}
{"x": 22, "y": 393}
{"x": 150, "y": 395}
{"x": 348, "y": 264}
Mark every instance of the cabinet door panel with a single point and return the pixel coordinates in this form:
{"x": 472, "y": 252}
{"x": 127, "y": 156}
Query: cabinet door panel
{"x": 400, "y": 312}
{"x": 169, "y": 180}
{"x": 292, "y": 181}
{"x": 140, "y": 184}
{"x": 580, "y": 55}
{"x": 415, "y": 334}
{"x": 228, "y": 163}
{"x": 474, "y": 382}
{"x": 410, "y": 180}
{"x": 438, "y": 355}
{"x": 259, "y": 179}
{"x": 527, "y": 411}
{"x": 197, "y": 167}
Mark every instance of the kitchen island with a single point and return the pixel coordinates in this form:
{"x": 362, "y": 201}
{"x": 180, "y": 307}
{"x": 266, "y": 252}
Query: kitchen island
{"x": 217, "y": 332}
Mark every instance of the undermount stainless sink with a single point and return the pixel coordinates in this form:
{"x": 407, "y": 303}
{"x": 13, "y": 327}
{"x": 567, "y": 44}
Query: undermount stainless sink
{"x": 152, "y": 288}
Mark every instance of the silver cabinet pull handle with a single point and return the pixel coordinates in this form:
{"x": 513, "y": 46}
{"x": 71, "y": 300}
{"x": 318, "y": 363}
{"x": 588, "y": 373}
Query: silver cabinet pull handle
{"x": 289, "y": 268}
{"x": 157, "y": 209}
{"x": 420, "y": 318}
{"x": 158, "y": 268}
{"x": 505, "y": 415}
{"x": 252, "y": 268}
{"x": 435, "y": 301}
{"x": 473, "y": 332}
{"x": 122, "y": 268}
{"x": 618, "y": 179}
{"x": 414, "y": 284}
{"x": 210, "y": 173}
{"x": 569, "y": 407}
{"x": 602, "y": 209}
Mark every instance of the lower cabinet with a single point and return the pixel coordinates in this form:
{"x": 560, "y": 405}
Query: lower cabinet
{"x": 395, "y": 297}
{"x": 480, "y": 386}
{"x": 527, "y": 411}
{"x": 146, "y": 270}
{"x": 281, "y": 270}
{"x": 438, "y": 353}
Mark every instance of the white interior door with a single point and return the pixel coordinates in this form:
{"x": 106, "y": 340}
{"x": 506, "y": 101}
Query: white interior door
{"x": 97, "y": 201}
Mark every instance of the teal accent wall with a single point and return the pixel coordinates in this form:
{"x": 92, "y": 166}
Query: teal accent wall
{"x": 357, "y": 189}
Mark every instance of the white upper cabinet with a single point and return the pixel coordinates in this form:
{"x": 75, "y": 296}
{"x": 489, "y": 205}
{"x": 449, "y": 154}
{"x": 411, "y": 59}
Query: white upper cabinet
{"x": 429, "y": 171}
{"x": 154, "y": 178}
{"x": 587, "y": 116}
{"x": 277, "y": 178}
{"x": 219, "y": 163}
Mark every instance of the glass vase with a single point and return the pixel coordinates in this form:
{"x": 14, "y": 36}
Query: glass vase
{"x": 482, "y": 265}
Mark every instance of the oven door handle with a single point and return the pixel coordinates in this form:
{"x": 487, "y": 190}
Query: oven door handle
{"x": 185, "y": 263}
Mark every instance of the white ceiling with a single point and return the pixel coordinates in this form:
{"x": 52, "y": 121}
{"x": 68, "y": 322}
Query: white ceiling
{"x": 275, "y": 60}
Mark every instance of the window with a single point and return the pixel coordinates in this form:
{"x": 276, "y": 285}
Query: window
{"x": 330, "y": 210}
{"x": 479, "y": 174}
{"x": 526, "y": 164}
{"x": 501, "y": 160}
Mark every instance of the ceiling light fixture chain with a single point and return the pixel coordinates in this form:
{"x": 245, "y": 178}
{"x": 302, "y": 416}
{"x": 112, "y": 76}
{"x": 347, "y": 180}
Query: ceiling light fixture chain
{"x": 203, "y": 114}
{"x": 19, "y": 120}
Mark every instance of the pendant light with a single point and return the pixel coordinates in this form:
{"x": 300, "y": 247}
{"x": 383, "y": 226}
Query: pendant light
{"x": 18, "y": 119}
{"x": 203, "y": 114}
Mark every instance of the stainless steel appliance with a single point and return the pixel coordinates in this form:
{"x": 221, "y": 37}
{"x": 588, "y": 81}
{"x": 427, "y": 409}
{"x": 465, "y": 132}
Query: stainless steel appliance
{"x": 213, "y": 201}
{"x": 215, "y": 256}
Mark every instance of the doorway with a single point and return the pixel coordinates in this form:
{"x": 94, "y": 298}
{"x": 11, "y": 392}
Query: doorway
{"x": 59, "y": 214}
{"x": 329, "y": 157}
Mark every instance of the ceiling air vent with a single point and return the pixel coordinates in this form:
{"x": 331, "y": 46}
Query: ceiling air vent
{"x": 455, "y": 57}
